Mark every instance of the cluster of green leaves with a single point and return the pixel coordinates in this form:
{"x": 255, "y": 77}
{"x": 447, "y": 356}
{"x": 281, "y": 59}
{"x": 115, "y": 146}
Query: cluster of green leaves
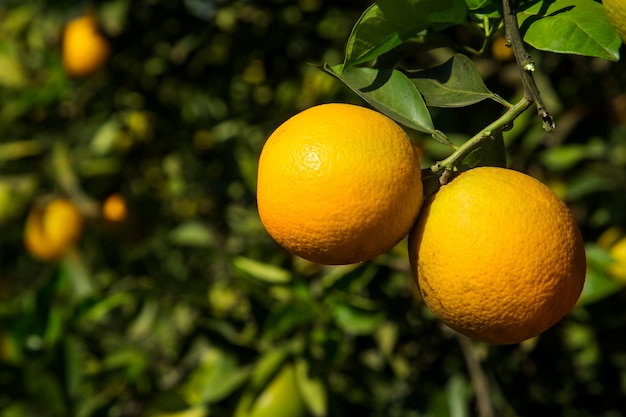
{"x": 188, "y": 308}
{"x": 389, "y": 31}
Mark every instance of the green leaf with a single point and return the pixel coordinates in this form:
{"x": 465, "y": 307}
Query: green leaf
{"x": 288, "y": 318}
{"x": 13, "y": 74}
{"x": 458, "y": 391}
{"x": 457, "y": 83}
{"x": 390, "y": 92}
{"x": 105, "y": 306}
{"x": 267, "y": 367}
{"x": 441, "y": 137}
{"x": 488, "y": 153}
{"x": 217, "y": 376}
{"x": 479, "y": 4}
{"x": 587, "y": 183}
{"x": 351, "y": 278}
{"x": 311, "y": 388}
{"x": 356, "y": 320}
{"x": 598, "y": 285}
{"x": 21, "y": 149}
{"x": 388, "y": 23}
{"x": 193, "y": 234}
{"x": 563, "y": 157}
{"x": 79, "y": 278}
{"x": 104, "y": 140}
{"x": 585, "y": 350}
{"x": 73, "y": 358}
{"x": 387, "y": 337}
{"x": 261, "y": 271}
{"x": 131, "y": 360}
{"x": 144, "y": 323}
{"x": 578, "y": 27}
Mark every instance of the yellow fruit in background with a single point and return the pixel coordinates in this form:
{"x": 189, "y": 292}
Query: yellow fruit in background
{"x": 616, "y": 12}
{"x": 114, "y": 208}
{"x": 497, "y": 255}
{"x": 85, "y": 49}
{"x": 52, "y": 229}
{"x": 339, "y": 184}
{"x": 618, "y": 252}
{"x": 281, "y": 398}
{"x": 500, "y": 50}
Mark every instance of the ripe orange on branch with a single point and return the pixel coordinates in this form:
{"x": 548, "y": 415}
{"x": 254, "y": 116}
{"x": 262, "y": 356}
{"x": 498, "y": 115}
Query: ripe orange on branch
{"x": 51, "y": 229}
{"x": 85, "y": 49}
{"x": 114, "y": 208}
{"x": 497, "y": 255}
{"x": 339, "y": 184}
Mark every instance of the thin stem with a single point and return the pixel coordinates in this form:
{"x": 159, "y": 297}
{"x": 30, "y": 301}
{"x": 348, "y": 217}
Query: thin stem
{"x": 525, "y": 62}
{"x": 487, "y": 133}
{"x": 526, "y": 66}
{"x": 480, "y": 381}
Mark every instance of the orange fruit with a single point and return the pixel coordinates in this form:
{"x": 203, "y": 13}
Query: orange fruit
{"x": 114, "y": 208}
{"x": 500, "y": 51}
{"x": 85, "y": 49}
{"x": 617, "y": 269}
{"x": 52, "y": 229}
{"x": 497, "y": 255}
{"x": 338, "y": 184}
{"x": 616, "y": 12}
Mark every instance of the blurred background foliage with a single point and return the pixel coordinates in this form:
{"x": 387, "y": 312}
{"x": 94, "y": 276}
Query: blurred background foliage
{"x": 186, "y": 307}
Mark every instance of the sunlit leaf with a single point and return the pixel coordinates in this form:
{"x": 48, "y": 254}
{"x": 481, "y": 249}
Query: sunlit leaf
{"x": 105, "y": 305}
{"x": 20, "y": 149}
{"x": 144, "y": 323}
{"x": 262, "y": 271}
{"x": 390, "y": 92}
{"x": 356, "y": 320}
{"x": 598, "y": 284}
{"x": 459, "y": 395}
{"x": 478, "y": 4}
{"x": 457, "y": 83}
{"x": 266, "y": 367}
{"x": 12, "y": 74}
{"x": 217, "y": 375}
{"x": 387, "y": 336}
{"x": 566, "y": 156}
{"x": 387, "y": 23}
{"x": 311, "y": 387}
{"x": 80, "y": 279}
{"x": 192, "y": 233}
{"x": 570, "y": 27}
